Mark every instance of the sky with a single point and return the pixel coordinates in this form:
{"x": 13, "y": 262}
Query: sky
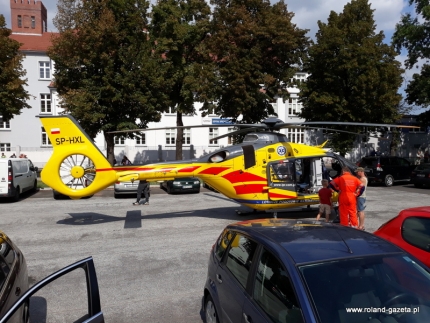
{"x": 307, "y": 13}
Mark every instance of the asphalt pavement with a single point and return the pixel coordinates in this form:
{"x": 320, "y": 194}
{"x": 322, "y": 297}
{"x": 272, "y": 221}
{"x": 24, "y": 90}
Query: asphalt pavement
{"x": 151, "y": 261}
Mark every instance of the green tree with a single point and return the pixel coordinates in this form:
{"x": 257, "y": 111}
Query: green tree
{"x": 254, "y": 50}
{"x": 412, "y": 33}
{"x": 102, "y": 58}
{"x": 178, "y": 29}
{"x": 13, "y": 96}
{"x": 354, "y": 76}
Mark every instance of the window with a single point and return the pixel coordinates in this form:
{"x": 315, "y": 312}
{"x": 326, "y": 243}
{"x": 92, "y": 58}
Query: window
{"x": 296, "y": 135}
{"x": 45, "y": 103}
{"x": 4, "y": 147}
{"x": 222, "y": 243}
{"x": 230, "y": 138}
{"x": 213, "y": 132}
{"x": 119, "y": 141}
{"x": 416, "y": 231}
{"x": 273, "y": 291}
{"x": 7, "y": 257}
{"x": 5, "y": 125}
{"x": 19, "y": 21}
{"x": 45, "y": 138}
{"x": 140, "y": 139}
{"x": 186, "y": 138}
{"x": 294, "y": 106}
{"x": 240, "y": 257}
{"x": 33, "y": 22}
{"x": 170, "y": 136}
{"x": 44, "y": 70}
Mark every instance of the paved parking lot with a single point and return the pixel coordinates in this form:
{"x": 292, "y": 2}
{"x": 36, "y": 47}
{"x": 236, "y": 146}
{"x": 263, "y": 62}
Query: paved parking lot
{"x": 151, "y": 261}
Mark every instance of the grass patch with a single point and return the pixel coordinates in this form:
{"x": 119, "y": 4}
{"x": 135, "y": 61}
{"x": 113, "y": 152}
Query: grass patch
{"x": 41, "y": 184}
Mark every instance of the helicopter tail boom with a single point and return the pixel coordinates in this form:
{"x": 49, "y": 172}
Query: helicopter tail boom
{"x": 71, "y": 170}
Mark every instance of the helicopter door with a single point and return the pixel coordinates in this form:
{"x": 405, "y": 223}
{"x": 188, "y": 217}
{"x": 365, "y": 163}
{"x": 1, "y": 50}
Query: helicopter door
{"x": 317, "y": 174}
{"x": 311, "y": 174}
{"x": 281, "y": 177}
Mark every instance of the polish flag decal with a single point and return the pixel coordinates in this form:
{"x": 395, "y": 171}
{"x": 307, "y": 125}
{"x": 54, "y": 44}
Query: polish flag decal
{"x": 55, "y": 131}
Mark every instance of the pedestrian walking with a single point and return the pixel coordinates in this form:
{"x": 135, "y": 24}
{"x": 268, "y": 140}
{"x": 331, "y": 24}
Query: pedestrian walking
{"x": 349, "y": 188}
{"x": 143, "y": 187}
{"x": 361, "y": 198}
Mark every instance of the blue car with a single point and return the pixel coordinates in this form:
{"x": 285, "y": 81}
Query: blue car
{"x": 293, "y": 271}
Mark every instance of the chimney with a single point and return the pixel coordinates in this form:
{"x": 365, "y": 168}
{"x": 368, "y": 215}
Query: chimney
{"x": 28, "y": 17}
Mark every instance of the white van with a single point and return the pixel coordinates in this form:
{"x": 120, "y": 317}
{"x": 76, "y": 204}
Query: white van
{"x": 17, "y": 175}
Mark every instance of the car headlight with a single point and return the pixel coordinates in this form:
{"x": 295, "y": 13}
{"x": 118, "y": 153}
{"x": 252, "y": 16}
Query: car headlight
{"x": 196, "y": 182}
{"x": 176, "y": 183}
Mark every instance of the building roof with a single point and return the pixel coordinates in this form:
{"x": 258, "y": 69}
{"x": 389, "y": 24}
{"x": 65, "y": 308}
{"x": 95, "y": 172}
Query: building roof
{"x": 34, "y": 43}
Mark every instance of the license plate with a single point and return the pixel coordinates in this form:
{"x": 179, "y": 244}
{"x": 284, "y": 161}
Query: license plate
{"x": 187, "y": 186}
{"x": 131, "y": 185}
{"x": 420, "y": 175}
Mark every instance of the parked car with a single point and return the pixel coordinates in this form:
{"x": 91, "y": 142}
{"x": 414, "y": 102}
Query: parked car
{"x": 13, "y": 279}
{"x": 279, "y": 270}
{"x": 386, "y": 169}
{"x": 421, "y": 175}
{"x": 410, "y": 230}
{"x": 17, "y": 175}
{"x": 15, "y": 293}
{"x": 181, "y": 185}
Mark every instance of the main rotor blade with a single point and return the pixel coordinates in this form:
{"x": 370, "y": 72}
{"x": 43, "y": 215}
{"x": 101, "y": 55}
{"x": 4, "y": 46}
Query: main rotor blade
{"x": 231, "y": 125}
{"x": 335, "y": 130}
{"x": 235, "y": 133}
{"x": 334, "y": 123}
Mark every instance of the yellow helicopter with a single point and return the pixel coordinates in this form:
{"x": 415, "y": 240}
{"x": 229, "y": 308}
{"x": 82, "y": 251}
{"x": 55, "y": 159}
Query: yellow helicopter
{"x": 264, "y": 172}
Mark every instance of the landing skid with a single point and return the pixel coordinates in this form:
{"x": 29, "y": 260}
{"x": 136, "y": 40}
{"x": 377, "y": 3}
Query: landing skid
{"x": 253, "y": 212}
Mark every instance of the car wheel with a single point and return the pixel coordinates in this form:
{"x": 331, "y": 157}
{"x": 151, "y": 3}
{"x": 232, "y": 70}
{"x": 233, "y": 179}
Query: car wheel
{"x": 58, "y": 196}
{"x": 418, "y": 185}
{"x": 117, "y": 196}
{"x": 15, "y": 198}
{"x": 211, "y": 314}
{"x": 169, "y": 191}
{"x": 35, "y": 186}
{"x": 389, "y": 180}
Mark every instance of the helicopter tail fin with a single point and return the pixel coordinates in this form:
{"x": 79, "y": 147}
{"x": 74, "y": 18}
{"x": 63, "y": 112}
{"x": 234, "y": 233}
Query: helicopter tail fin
{"x": 322, "y": 145}
{"x": 76, "y": 168}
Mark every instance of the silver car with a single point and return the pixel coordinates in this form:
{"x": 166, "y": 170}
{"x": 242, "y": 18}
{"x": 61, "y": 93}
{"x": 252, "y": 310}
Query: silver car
{"x": 125, "y": 188}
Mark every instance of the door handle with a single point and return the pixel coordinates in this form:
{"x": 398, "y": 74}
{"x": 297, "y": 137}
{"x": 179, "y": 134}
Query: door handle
{"x": 218, "y": 278}
{"x": 247, "y": 318}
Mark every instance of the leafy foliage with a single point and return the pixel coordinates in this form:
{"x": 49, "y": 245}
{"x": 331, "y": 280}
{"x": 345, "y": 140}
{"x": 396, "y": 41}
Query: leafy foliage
{"x": 254, "y": 50}
{"x": 413, "y": 34}
{"x": 178, "y": 29}
{"x": 354, "y": 76}
{"x": 13, "y": 96}
{"x": 102, "y": 56}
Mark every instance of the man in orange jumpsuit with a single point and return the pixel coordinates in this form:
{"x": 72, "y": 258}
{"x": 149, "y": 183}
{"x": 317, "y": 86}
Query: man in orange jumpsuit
{"x": 349, "y": 188}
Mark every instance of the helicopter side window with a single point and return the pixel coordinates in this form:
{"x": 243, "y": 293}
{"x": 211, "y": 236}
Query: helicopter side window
{"x": 218, "y": 157}
{"x": 283, "y": 172}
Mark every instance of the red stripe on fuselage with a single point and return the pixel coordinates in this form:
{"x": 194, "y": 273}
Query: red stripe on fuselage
{"x": 238, "y": 176}
{"x": 281, "y": 196}
{"x": 249, "y": 188}
{"x": 138, "y": 169}
{"x": 214, "y": 170}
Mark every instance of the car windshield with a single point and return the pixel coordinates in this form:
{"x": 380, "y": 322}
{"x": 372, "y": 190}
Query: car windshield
{"x": 423, "y": 167}
{"x": 369, "y": 162}
{"x": 377, "y": 289}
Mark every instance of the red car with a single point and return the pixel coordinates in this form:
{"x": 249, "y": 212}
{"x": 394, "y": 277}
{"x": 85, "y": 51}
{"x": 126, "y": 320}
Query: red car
{"x": 410, "y": 230}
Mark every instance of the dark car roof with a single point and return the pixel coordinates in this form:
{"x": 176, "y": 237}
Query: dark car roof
{"x": 312, "y": 241}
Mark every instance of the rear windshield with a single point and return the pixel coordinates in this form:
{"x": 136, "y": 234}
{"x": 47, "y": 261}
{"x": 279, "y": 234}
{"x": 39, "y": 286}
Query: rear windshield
{"x": 369, "y": 162}
{"x": 423, "y": 167}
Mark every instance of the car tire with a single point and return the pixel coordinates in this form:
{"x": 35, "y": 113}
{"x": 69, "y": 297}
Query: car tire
{"x": 58, "y": 196}
{"x": 15, "y": 198}
{"x": 117, "y": 196}
{"x": 169, "y": 191}
{"x": 418, "y": 185}
{"x": 211, "y": 314}
{"x": 389, "y": 180}
{"x": 34, "y": 189}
